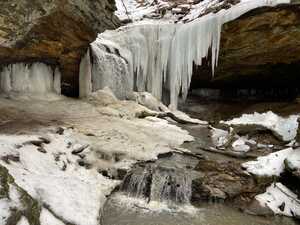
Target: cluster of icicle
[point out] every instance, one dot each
(157, 57)
(36, 78)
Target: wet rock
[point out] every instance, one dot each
(79, 149)
(42, 150)
(255, 208)
(10, 158)
(60, 130)
(223, 181)
(121, 173)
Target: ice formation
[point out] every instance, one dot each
(158, 56)
(30, 78)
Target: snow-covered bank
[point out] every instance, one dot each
(61, 168)
(158, 56)
(51, 175)
(277, 197)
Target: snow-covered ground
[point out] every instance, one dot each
(43, 160)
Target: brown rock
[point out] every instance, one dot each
(262, 45)
(55, 32)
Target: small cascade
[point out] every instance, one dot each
(168, 180)
(138, 183)
(161, 184)
(171, 186)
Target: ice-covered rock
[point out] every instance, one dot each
(240, 145)
(219, 137)
(283, 128)
(148, 100)
(270, 165)
(280, 200)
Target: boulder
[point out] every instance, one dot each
(55, 32)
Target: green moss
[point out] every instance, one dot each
(31, 208)
(5, 180)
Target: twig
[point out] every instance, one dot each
(127, 13)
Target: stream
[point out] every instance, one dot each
(162, 192)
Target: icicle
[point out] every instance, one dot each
(85, 76)
(158, 57)
(23, 78)
(57, 81)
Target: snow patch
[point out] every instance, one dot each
(280, 200)
(219, 137)
(283, 128)
(24, 221)
(240, 145)
(270, 165)
(293, 160)
(4, 211)
(47, 218)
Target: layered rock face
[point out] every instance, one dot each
(54, 32)
(259, 49)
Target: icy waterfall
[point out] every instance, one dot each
(157, 56)
(36, 78)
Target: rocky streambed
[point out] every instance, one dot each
(124, 162)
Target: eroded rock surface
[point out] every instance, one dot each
(261, 45)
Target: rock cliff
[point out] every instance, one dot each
(259, 49)
(56, 32)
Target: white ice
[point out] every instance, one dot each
(36, 78)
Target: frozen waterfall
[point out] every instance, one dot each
(36, 78)
(157, 56)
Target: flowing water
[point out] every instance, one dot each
(159, 193)
(119, 211)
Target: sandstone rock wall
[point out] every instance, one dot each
(261, 48)
(53, 31)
